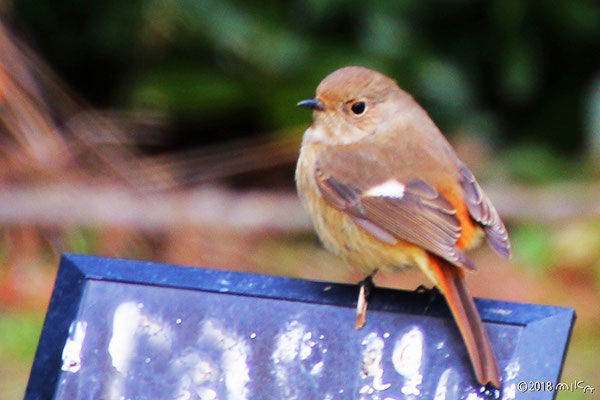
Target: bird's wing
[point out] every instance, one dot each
(482, 211)
(389, 206)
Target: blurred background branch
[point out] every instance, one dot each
(247, 210)
(167, 131)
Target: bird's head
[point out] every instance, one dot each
(351, 104)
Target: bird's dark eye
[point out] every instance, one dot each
(358, 107)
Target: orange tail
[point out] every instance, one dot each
(451, 282)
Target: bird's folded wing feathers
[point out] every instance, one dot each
(388, 207)
(482, 211)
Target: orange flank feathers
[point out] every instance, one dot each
(471, 233)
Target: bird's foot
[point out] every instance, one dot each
(490, 391)
(366, 287)
(422, 289)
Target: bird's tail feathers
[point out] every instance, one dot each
(451, 282)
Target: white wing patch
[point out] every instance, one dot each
(390, 188)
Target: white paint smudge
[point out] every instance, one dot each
(371, 367)
(289, 343)
(511, 371)
(126, 320)
(234, 359)
(317, 368)
(407, 359)
(372, 355)
(297, 359)
(197, 374)
(509, 392)
(447, 388)
(500, 311)
(129, 323)
(306, 346)
(71, 354)
(206, 394)
(219, 358)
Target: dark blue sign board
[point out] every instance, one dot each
(118, 329)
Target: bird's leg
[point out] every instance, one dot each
(366, 286)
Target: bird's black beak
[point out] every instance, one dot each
(313, 104)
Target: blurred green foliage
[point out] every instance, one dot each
(19, 334)
(533, 246)
(22, 346)
(535, 163)
(511, 71)
(81, 240)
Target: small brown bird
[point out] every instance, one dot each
(385, 191)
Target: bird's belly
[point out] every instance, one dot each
(359, 248)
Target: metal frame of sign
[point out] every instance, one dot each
(541, 348)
